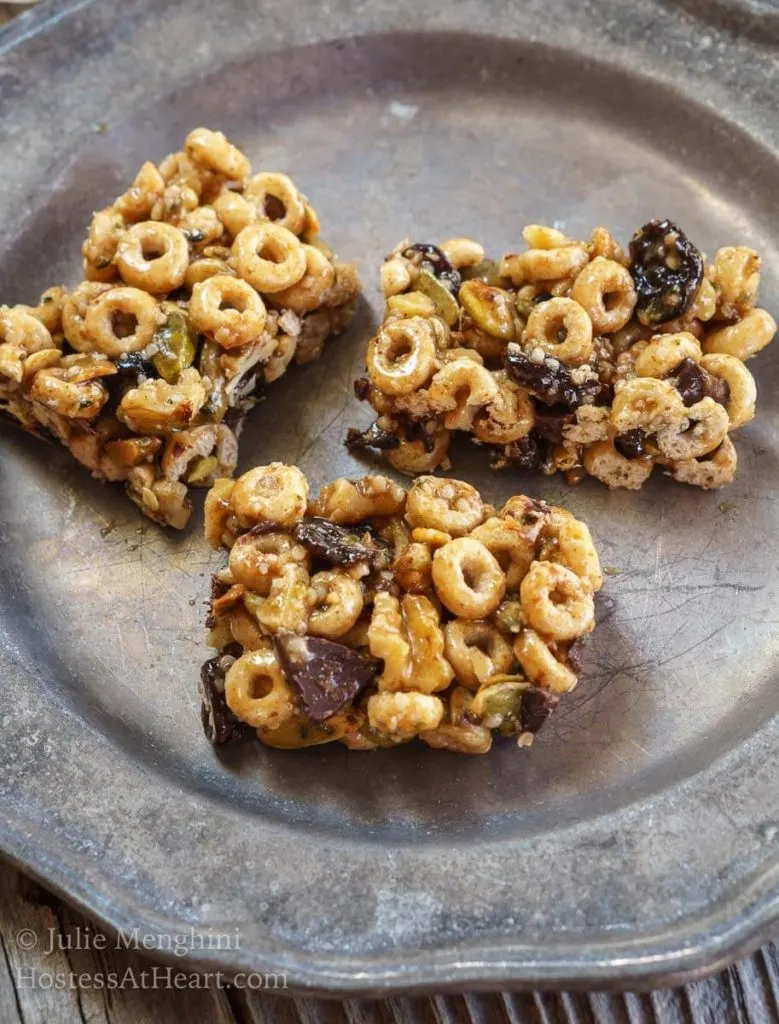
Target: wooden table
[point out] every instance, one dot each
(747, 993)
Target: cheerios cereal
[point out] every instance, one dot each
(202, 284)
(570, 356)
(372, 615)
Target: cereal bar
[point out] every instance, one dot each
(202, 284)
(371, 615)
(569, 356)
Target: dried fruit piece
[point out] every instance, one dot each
(530, 452)
(667, 270)
(219, 723)
(326, 539)
(373, 437)
(631, 444)
(325, 675)
(537, 706)
(552, 382)
(431, 258)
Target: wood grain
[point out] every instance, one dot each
(746, 993)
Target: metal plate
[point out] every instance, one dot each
(638, 838)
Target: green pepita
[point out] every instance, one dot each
(443, 300)
(176, 343)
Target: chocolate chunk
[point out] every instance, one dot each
(326, 676)
(335, 544)
(631, 444)
(573, 655)
(373, 437)
(694, 383)
(551, 381)
(667, 270)
(219, 723)
(537, 705)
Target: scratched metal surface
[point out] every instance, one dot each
(638, 838)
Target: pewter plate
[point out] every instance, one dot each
(637, 840)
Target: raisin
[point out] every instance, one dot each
(434, 260)
(549, 421)
(325, 675)
(631, 444)
(529, 452)
(667, 271)
(694, 383)
(219, 723)
(362, 389)
(373, 437)
(537, 706)
(337, 545)
(550, 381)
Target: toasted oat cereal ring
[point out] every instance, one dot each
(459, 390)
(121, 320)
(708, 426)
(508, 417)
(395, 276)
(269, 257)
(556, 602)
(712, 471)
(562, 328)
(512, 544)
(275, 198)
(452, 506)
(23, 331)
(205, 267)
(72, 399)
(228, 310)
(310, 291)
(255, 561)
(647, 403)
(468, 579)
(153, 256)
(741, 384)
(402, 356)
(577, 550)
(540, 665)
(560, 262)
(275, 493)
(605, 289)
(257, 691)
(417, 456)
(404, 714)
(664, 353)
(212, 151)
(743, 339)
(476, 650)
(234, 212)
(336, 603)
(605, 463)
